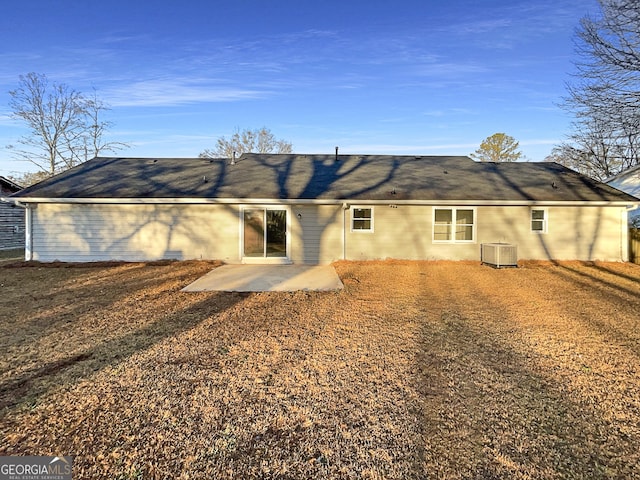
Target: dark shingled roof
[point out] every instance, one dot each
(8, 186)
(323, 177)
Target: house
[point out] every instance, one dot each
(11, 218)
(315, 209)
(629, 182)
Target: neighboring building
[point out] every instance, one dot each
(321, 208)
(11, 218)
(629, 182)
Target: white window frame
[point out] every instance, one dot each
(353, 219)
(265, 260)
(454, 211)
(545, 220)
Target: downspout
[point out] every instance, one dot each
(345, 207)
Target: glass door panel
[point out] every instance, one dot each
(254, 233)
(276, 245)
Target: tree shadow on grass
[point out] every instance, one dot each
(603, 278)
(48, 298)
(27, 387)
(491, 411)
(589, 278)
(611, 271)
(491, 416)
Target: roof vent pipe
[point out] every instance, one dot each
(337, 154)
(233, 158)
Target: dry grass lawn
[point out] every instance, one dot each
(415, 370)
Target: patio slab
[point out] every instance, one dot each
(267, 278)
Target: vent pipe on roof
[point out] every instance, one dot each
(233, 158)
(337, 153)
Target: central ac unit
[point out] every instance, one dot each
(499, 254)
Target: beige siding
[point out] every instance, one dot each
(316, 234)
(397, 233)
(145, 232)
(404, 232)
(135, 232)
(576, 233)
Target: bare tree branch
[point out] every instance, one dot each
(248, 141)
(65, 127)
(605, 98)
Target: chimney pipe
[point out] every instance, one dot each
(233, 158)
(337, 154)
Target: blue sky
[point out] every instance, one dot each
(389, 77)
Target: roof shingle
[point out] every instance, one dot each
(324, 177)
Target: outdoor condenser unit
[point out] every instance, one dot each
(499, 254)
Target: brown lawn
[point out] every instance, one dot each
(416, 370)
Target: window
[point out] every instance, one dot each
(453, 224)
(538, 220)
(361, 219)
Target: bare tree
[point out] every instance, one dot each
(591, 150)
(605, 98)
(92, 143)
(27, 179)
(576, 159)
(499, 147)
(65, 127)
(248, 141)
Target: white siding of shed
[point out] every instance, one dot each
(629, 182)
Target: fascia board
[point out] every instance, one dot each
(302, 201)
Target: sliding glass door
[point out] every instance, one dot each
(264, 233)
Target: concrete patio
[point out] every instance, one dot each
(267, 278)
